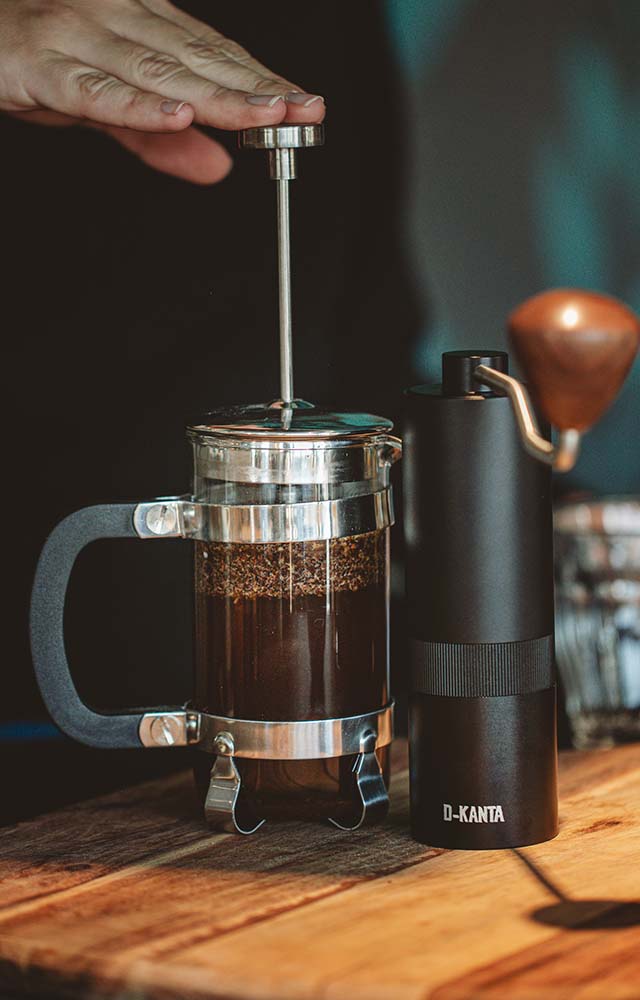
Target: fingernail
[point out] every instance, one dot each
(172, 107)
(266, 100)
(306, 100)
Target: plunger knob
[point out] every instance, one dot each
(281, 143)
(575, 349)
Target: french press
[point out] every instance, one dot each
(289, 513)
(478, 528)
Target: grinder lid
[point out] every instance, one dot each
(458, 368)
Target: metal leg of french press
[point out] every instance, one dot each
(370, 790)
(223, 808)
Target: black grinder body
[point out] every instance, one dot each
(478, 530)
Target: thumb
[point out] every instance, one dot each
(188, 154)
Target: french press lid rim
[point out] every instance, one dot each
(300, 421)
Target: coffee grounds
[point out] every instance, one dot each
(289, 569)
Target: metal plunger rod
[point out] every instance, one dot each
(281, 142)
(284, 283)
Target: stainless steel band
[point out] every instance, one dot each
(308, 740)
(182, 517)
(226, 808)
(249, 738)
(294, 461)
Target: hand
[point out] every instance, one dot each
(143, 71)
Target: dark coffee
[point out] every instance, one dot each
(292, 631)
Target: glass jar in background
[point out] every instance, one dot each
(597, 560)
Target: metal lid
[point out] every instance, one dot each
(277, 422)
(294, 444)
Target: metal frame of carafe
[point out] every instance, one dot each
(366, 458)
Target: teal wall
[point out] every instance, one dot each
(524, 144)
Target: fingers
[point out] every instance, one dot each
(159, 26)
(150, 70)
(189, 155)
(307, 108)
(75, 88)
(202, 48)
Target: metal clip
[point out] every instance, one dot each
(171, 728)
(166, 517)
(370, 789)
(222, 809)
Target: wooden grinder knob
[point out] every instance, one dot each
(575, 349)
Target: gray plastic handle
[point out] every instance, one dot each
(69, 712)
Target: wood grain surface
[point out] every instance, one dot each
(128, 896)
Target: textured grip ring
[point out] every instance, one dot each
(482, 670)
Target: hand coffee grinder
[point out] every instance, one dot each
(289, 513)
(477, 495)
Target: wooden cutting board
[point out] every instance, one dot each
(129, 896)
